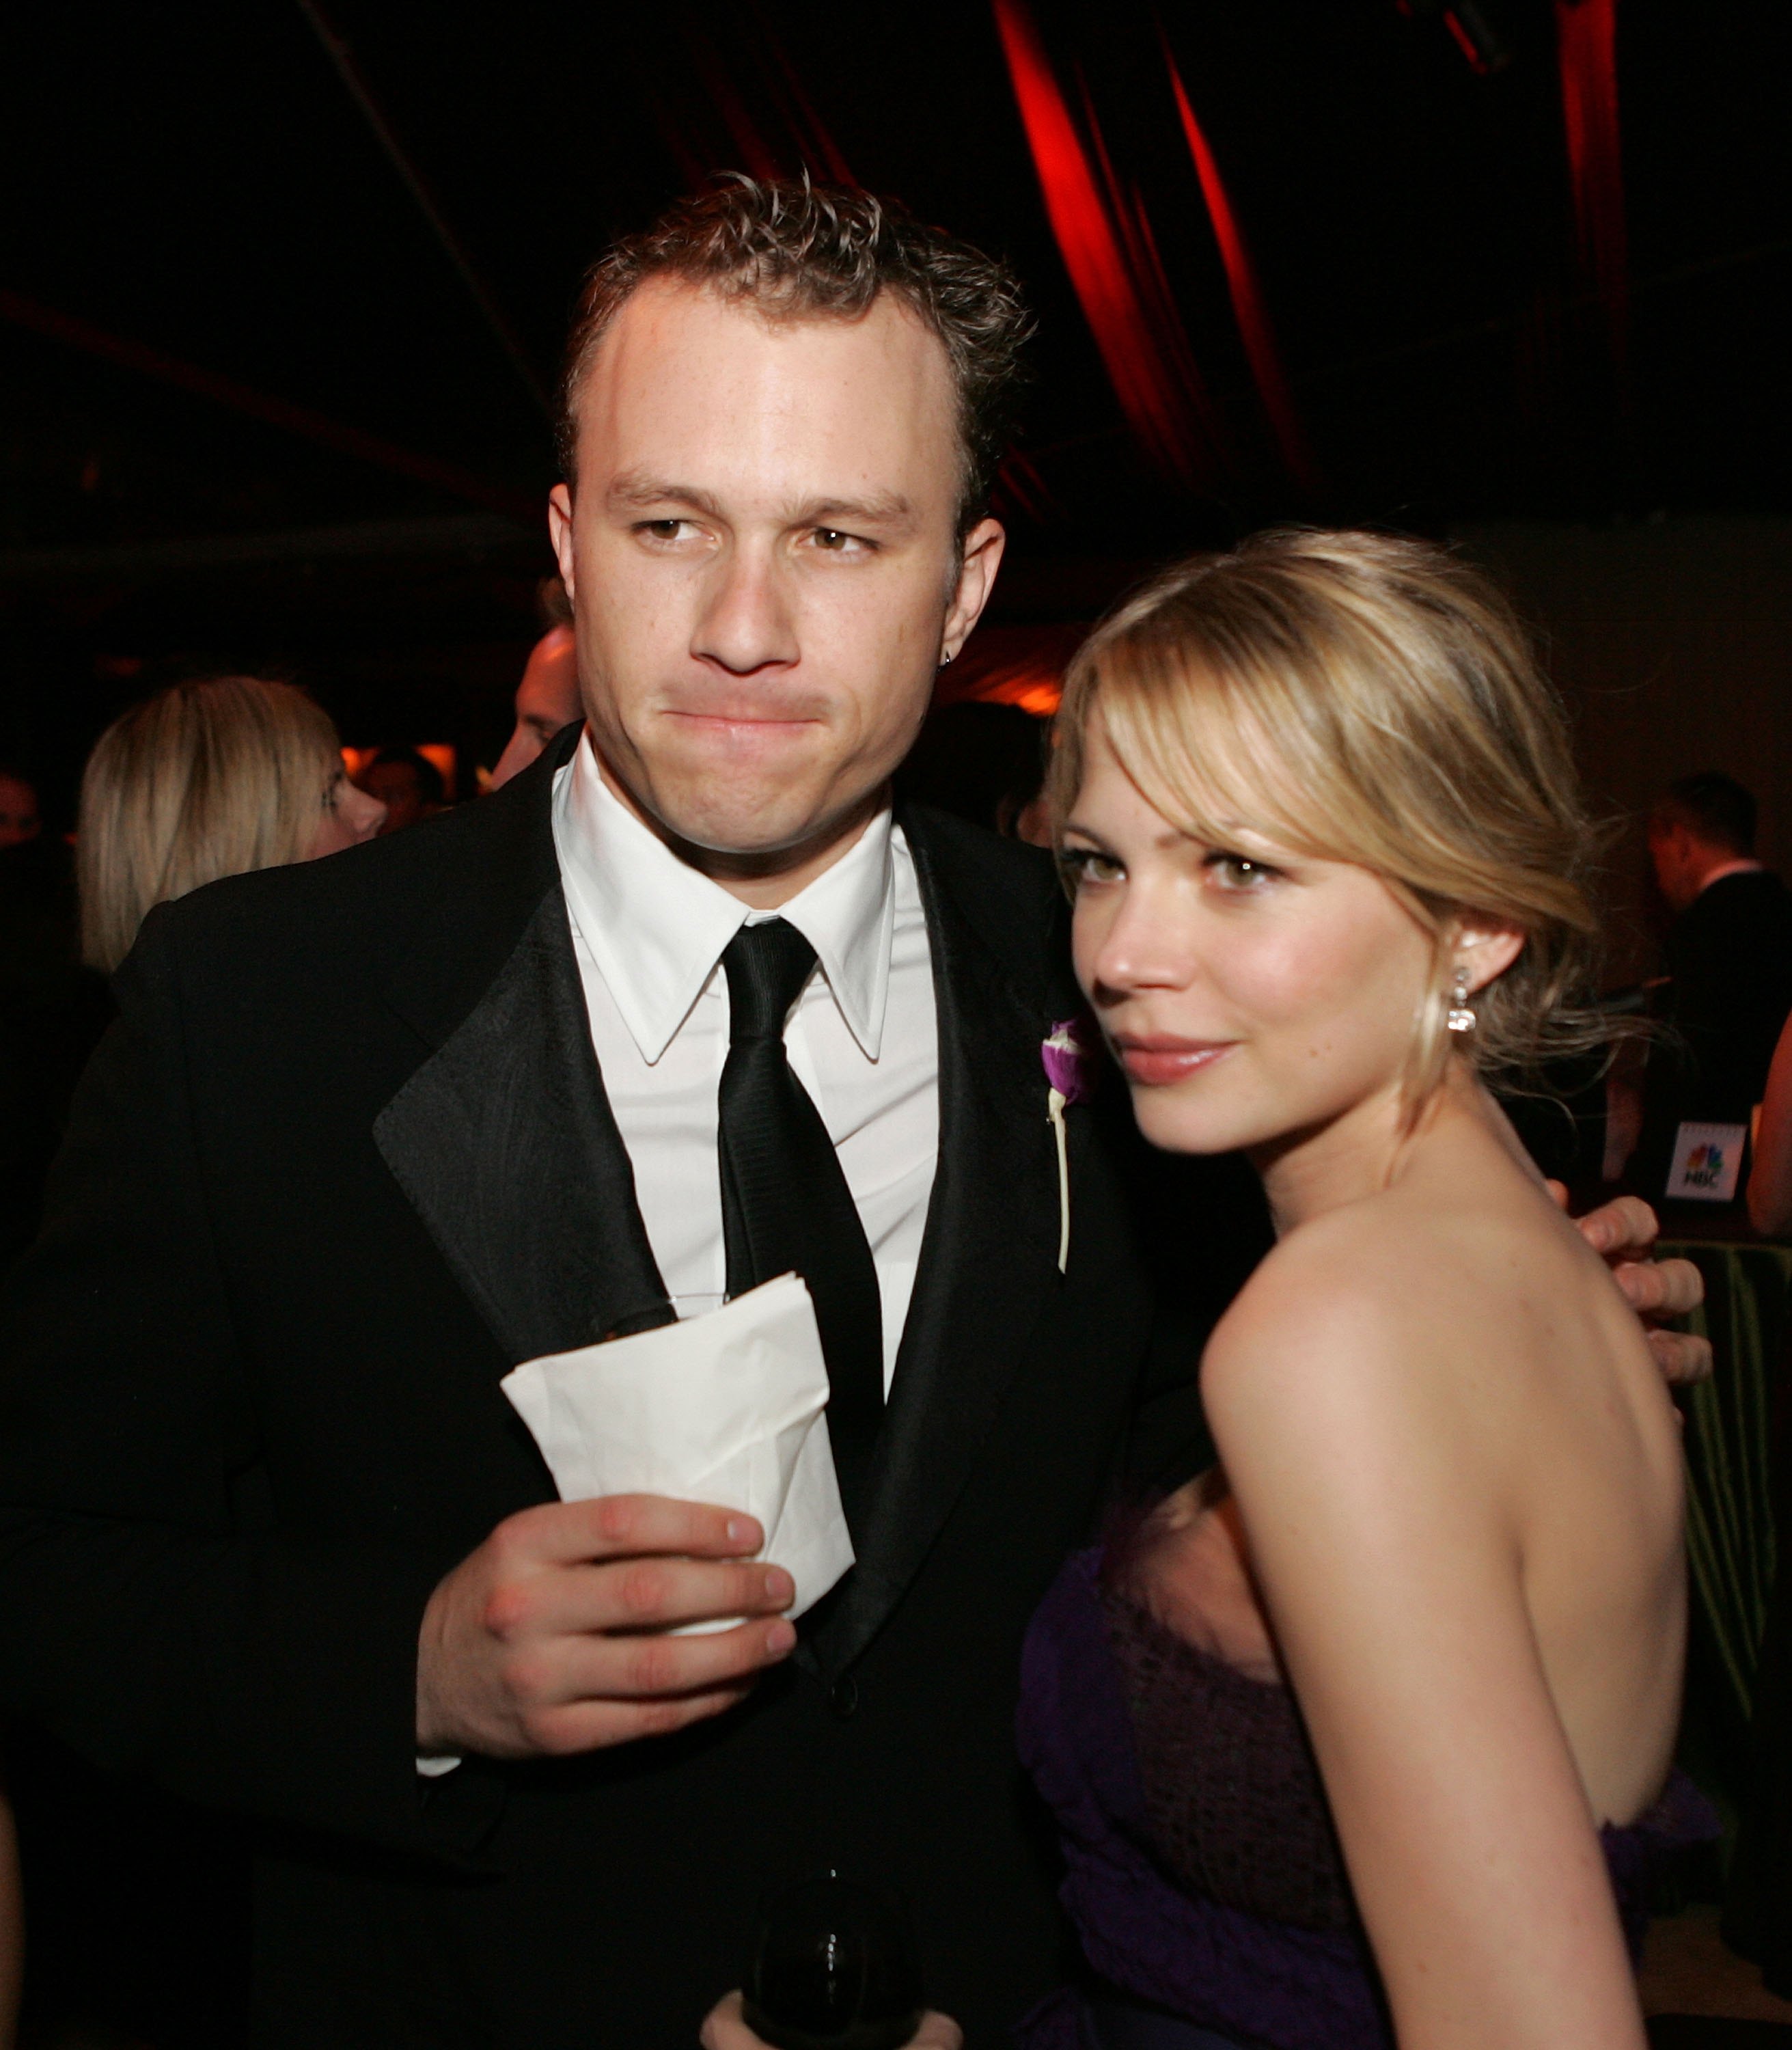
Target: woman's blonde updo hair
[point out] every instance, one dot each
(1363, 698)
(203, 780)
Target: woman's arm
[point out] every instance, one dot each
(1392, 1578)
(1770, 1180)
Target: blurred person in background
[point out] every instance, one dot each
(1758, 1904)
(1769, 1182)
(25, 1019)
(138, 1903)
(21, 815)
(209, 778)
(983, 763)
(406, 785)
(1729, 966)
(52, 1010)
(547, 698)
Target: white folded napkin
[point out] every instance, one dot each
(725, 1408)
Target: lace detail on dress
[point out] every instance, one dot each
(1175, 1940)
(1236, 1805)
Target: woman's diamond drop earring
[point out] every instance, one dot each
(1460, 1018)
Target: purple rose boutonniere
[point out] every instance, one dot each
(1069, 1063)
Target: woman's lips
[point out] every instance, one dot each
(1155, 1061)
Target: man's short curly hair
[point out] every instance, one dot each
(802, 251)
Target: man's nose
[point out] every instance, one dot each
(747, 622)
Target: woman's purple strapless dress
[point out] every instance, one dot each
(1204, 1876)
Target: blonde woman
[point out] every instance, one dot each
(1359, 1737)
(204, 780)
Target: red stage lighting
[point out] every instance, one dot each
(1472, 29)
(1587, 46)
(1106, 249)
(1247, 300)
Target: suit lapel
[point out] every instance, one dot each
(988, 1267)
(503, 1140)
(505, 1144)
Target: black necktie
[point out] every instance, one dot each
(785, 1205)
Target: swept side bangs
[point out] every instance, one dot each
(1362, 699)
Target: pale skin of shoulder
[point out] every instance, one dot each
(1444, 1436)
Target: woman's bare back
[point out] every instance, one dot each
(1525, 1366)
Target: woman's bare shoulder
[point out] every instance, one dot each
(1348, 1273)
(1362, 1311)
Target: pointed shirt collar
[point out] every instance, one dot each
(655, 927)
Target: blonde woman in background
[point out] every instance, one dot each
(1391, 1692)
(204, 780)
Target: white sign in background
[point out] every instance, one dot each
(1707, 1158)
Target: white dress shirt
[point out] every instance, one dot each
(650, 932)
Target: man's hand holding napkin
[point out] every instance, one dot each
(699, 1502)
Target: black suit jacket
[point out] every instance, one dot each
(344, 1160)
(1729, 964)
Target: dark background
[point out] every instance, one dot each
(199, 218)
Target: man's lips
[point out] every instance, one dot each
(741, 729)
(746, 708)
(1156, 1058)
(731, 715)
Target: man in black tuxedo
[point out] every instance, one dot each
(372, 1130)
(1728, 960)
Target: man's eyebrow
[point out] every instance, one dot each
(635, 491)
(879, 508)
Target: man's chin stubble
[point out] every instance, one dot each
(748, 841)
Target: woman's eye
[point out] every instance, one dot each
(1084, 865)
(1238, 872)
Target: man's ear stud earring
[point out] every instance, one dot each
(945, 658)
(1460, 1018)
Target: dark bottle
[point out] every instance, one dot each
(833, 1968)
